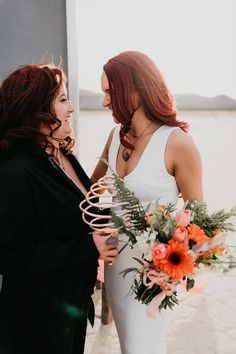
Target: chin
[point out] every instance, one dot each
(64, 135)
(68, 130)
(115, 120)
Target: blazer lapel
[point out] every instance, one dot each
(67, 179)
(80, 171)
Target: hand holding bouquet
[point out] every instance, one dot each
(175, 245)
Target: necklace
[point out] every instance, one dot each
(59, 161)
(126, 153)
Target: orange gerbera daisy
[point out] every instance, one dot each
(178, 262)
(196, 234)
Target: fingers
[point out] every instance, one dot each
(107, 244)
(110, 256)
(112, 240)
(106, 232)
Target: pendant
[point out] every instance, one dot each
(126, 155)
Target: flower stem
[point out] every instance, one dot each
(152, 292)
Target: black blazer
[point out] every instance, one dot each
(47, 254)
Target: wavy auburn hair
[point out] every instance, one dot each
(26, 98)
(131, 73)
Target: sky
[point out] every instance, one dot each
(193, 42)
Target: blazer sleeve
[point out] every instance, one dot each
(18, 249)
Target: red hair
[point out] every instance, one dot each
(26, 97)
(133, 72)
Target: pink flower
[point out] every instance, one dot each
(149, 217)
(159, 251)
(180, 234)
(183, 217)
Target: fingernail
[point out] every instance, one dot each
(111, 240)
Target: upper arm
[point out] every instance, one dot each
(16, 221)
(26, 245)
(101, 167)
(187, 165)
(16, 206)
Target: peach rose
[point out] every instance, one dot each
(180, 234)
(183, 217)
(196, 234)
(159, 250)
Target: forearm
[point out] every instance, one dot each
(46, 255)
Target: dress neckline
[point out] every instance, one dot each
(141, 156)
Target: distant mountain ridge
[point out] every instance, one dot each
(188, 102)
(185, 102)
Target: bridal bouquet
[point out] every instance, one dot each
(175, 245)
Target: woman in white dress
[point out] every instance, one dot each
(151, 150)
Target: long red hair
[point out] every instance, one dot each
(133, 72)
(26, 97)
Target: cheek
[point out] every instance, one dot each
(61, 113)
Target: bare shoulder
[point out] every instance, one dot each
(179, 137)
(111, 136)
(184, 162)
(181, 141)
(101, 168)
(108, 142)
(180, 150)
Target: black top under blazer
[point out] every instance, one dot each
(48, 260)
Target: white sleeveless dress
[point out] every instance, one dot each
(139, 334)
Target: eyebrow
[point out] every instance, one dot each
(62, 94)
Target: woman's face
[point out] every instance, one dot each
(63, 109)
(107, 96)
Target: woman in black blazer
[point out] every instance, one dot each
(48, 257)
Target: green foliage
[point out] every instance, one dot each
(190, 284)
(145, 295)
(120, 224)
(169, 301)
(210, 223)
(163, 224)
(133, 219)
(134, 211)
(128, 270)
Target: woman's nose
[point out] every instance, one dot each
(71, 107)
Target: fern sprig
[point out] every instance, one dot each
(210, 222)
(134, 212)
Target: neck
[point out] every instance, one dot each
(140, 121)
(126, 153)
(58, 157)
(53, 148)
